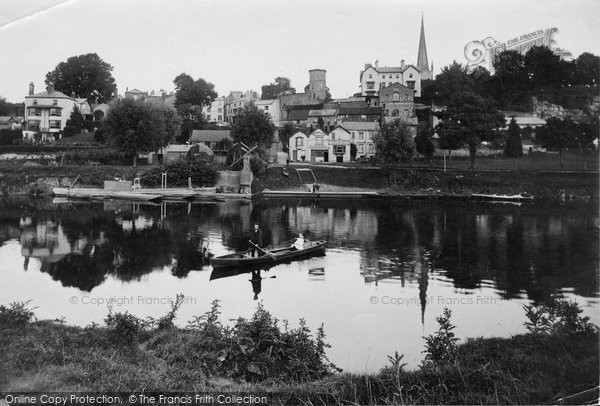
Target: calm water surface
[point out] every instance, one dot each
(389, 270)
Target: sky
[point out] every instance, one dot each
(244, 44)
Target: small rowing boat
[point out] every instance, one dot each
(272, 256)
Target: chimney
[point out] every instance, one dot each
(50, 87)
(72, 95)
(377, 63)
(402, 64)
(367, 65)
(31, 87)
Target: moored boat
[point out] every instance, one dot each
(271, 256)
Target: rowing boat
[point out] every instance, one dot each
(274, 256)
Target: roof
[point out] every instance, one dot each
(389, 69)
(49, 95)
(359, 110)
(360, 125)
(264, 102)
(176, 148)
(525, 121)
(322, 113)
(394, 85)
(318, 131)
(210, 135)
(8, 119)
(135, 91)
(298, 114)
(348, 99)
(81, 100)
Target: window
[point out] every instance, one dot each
(55, 124)
(390, 76)
(361, 136)
(33, 124)
(405, 97)
(353, 135)
(35, 102)
(266, 108)
(220, 110)
(299, 142)
(34, 112)
(219, 118)
(208, 109)
(370, 76)
(55, 112)
(371, 148)
(208, 117)
(360, 149)
(383, 75)
(397, 75)
(339, 149)
(55, 102)
(395, 113)
(410, 76)
(370, 85)
(410, 84)
(386, 113)
(381, 85)
(396, 96)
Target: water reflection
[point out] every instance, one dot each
(524, 251)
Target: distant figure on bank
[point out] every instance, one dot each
(316, 187)
(299, 243)
(256, 239)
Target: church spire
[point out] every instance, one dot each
(422, 63)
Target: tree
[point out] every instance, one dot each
(424, 142)
(557, 135)
(253, 126)
(477, 119)
(285, 134)
(394, 144)
(10, 109)
(281, 86)
(450, 136)
(513, 147)
(193, 92)
(75, 123)
(190, 96)
(86, 76)
(587, 70)
(543, 67)
(453, 79)
(134, 126)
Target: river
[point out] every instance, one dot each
(389, 269)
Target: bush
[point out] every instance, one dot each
(17, 314)
(557, 317)
(126, 327)
(8, 137)
(257, 164)
(71, 130)
(178, 173)
(441, 347)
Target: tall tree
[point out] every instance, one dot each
(190, 96)
(450, 135)
(543, 67)
(423, 141)
(193, 92)
(477, 119)
(514, 147)
(453, 79)
(135, 126)
(394, 144)
(281, 86)
(587, 70)
(253, 126)
(86, 76)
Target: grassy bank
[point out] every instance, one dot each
(546, 186)
(260, 356)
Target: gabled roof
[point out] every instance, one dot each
(210, 135)
(49, 95)
(389, 69)
(322, 113)
(360, 125)
(318, 131)
(135, 91)
(299, 134)
(81, 100)
(341, 128)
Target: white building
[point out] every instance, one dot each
(272, 109)
(215, 113)
(361, 135)
(374, 78)
(46, 113)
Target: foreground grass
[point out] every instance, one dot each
(533, 368)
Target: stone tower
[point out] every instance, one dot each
(422, 62)
(317, 85)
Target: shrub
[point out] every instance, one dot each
(257, 164)
(8, 137)
(16, 314)
(557, 317)
(441, 346)
(71, 130)
(125, 327)
(178, 173)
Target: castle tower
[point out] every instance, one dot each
(422, 62)
(317, 85)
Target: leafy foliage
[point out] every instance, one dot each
(253, 126)
(7, 137)
(193, 92)
(514, 147)
(86, 76)
(394, 144)
(285, 134)
(135, 126)
(441, 346)
(274, 90)
(557, 317)
(178, 173)
(423, 141)
(16, 314)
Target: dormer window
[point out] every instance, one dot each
(34, 102)
(55, 102)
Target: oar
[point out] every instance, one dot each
(266, 252)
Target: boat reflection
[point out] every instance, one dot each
(256, 277)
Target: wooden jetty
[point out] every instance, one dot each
(151, 195)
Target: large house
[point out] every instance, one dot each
(236, 102)
(361, 135)
(215, 113)
(271, 108)
(46, 113)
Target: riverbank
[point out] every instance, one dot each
(289, 366)
(547, 187)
